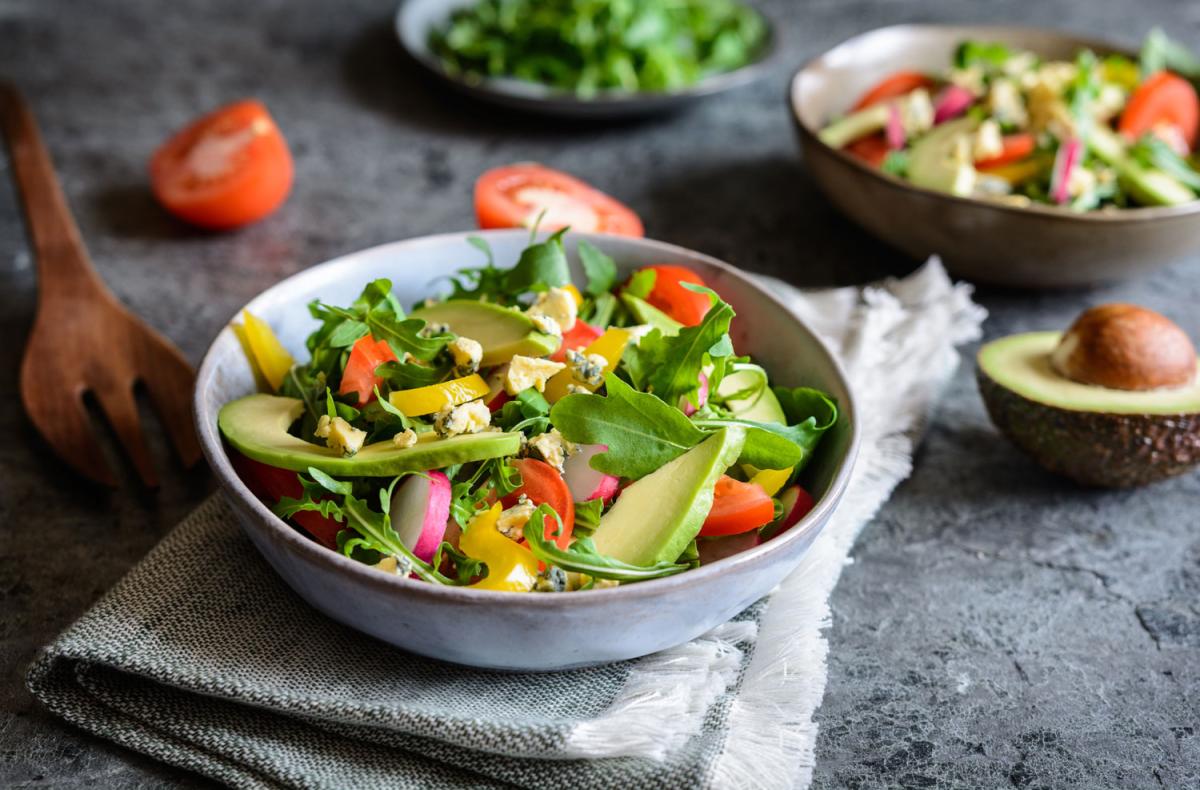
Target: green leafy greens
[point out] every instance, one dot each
(582, 557)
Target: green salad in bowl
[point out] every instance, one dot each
(1002, 123)
(525, 432)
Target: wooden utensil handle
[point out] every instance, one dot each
(62, 259)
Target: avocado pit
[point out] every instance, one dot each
(1114, 401)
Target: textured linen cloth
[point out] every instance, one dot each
(202, 658)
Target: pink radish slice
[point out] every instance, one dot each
(419, 511)
(796, 504)
(1065, 162)
(953, 101)
(896, 138)
(584, 482)
(701, 397)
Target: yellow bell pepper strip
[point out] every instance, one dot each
(435, 397)
(610, 345)
(1017, 173)
(268, 354)
(511, 566)
(771, 480)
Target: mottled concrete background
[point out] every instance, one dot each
(997, 626)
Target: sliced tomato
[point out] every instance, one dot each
(1016, 147)
(226, 169)
(872, 150)
(1163, 99)
(542, 483)
(359, 376)
(576, 338)
(901, 83)
(737, 507)
(517, 195)
(686, 307)
(272, 484)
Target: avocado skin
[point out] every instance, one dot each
(1095, 448)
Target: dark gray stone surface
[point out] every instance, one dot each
(998, 627)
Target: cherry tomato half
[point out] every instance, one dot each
(899, 84)
(542, 483)
(226, 169)
(686, 307)
(516, 195)
(359, 376)
(271, 484)
(1016, 147)
(575, 338)
(1163, 99)
(737, 507)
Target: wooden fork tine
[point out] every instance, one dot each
(67, 426)
(120, 408)
(169, 385)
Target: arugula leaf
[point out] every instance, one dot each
(409, 375)
(600, 312)
(896, 163)
(1154, 152)
(587, 516)
(641, 431)
(989, 54)
(772, 446)
(465, 568)
(582, 557)
(600, 269)
(528, 411)
(1160, 53)
(808, 410)
(540, 267)
(675, 361)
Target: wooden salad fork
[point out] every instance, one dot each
(84, 342)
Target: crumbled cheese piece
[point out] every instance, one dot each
(1005, 103)
(1019, 63)
(546, 325)
(512, 521)
(916, 113)
(988, 143)
(1109, 102)
(971, 78)
(395, 564)
(434, 328)
(575, 389)
(340, 435)
(587, 368)
(466, 353)
(1054, 76)
(470, 417)
(526, 372)
(991, 186)
(552, 447)
(1049, 113)
(553, 579)
(405, 439)
(1081, 182)
(557, 304)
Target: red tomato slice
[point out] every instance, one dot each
(226, 169)
(901, 83)
(272, 484)
(686, 307)
(1163, 99)
(872, 150)
(516, 195)
(737, 507)
(576, 338)
(1016, 148)
(542, 483)
(359, 376)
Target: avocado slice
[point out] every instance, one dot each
(646, 313)
(937, 160)
(1094, 435)
(761, 408)
(502, 331)
(1148, 186)
(257, 427)
(656, 517)
(856, 125)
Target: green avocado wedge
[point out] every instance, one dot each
(257, 427)
(761, 407)
(933, 162)
(656, 517)
(502, 331)
(648, 314)
(1094, 435)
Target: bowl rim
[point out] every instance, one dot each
(232, 485)
(533, 93)
(810, 136)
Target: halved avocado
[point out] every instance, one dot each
(257, 427)
(1095, 435)
(502, 331)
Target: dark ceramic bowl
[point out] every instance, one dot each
(1035, 247)
(510, 630)
(415, 19)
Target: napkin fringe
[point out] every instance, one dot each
(676, 686)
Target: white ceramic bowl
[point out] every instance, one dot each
(525, 631)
